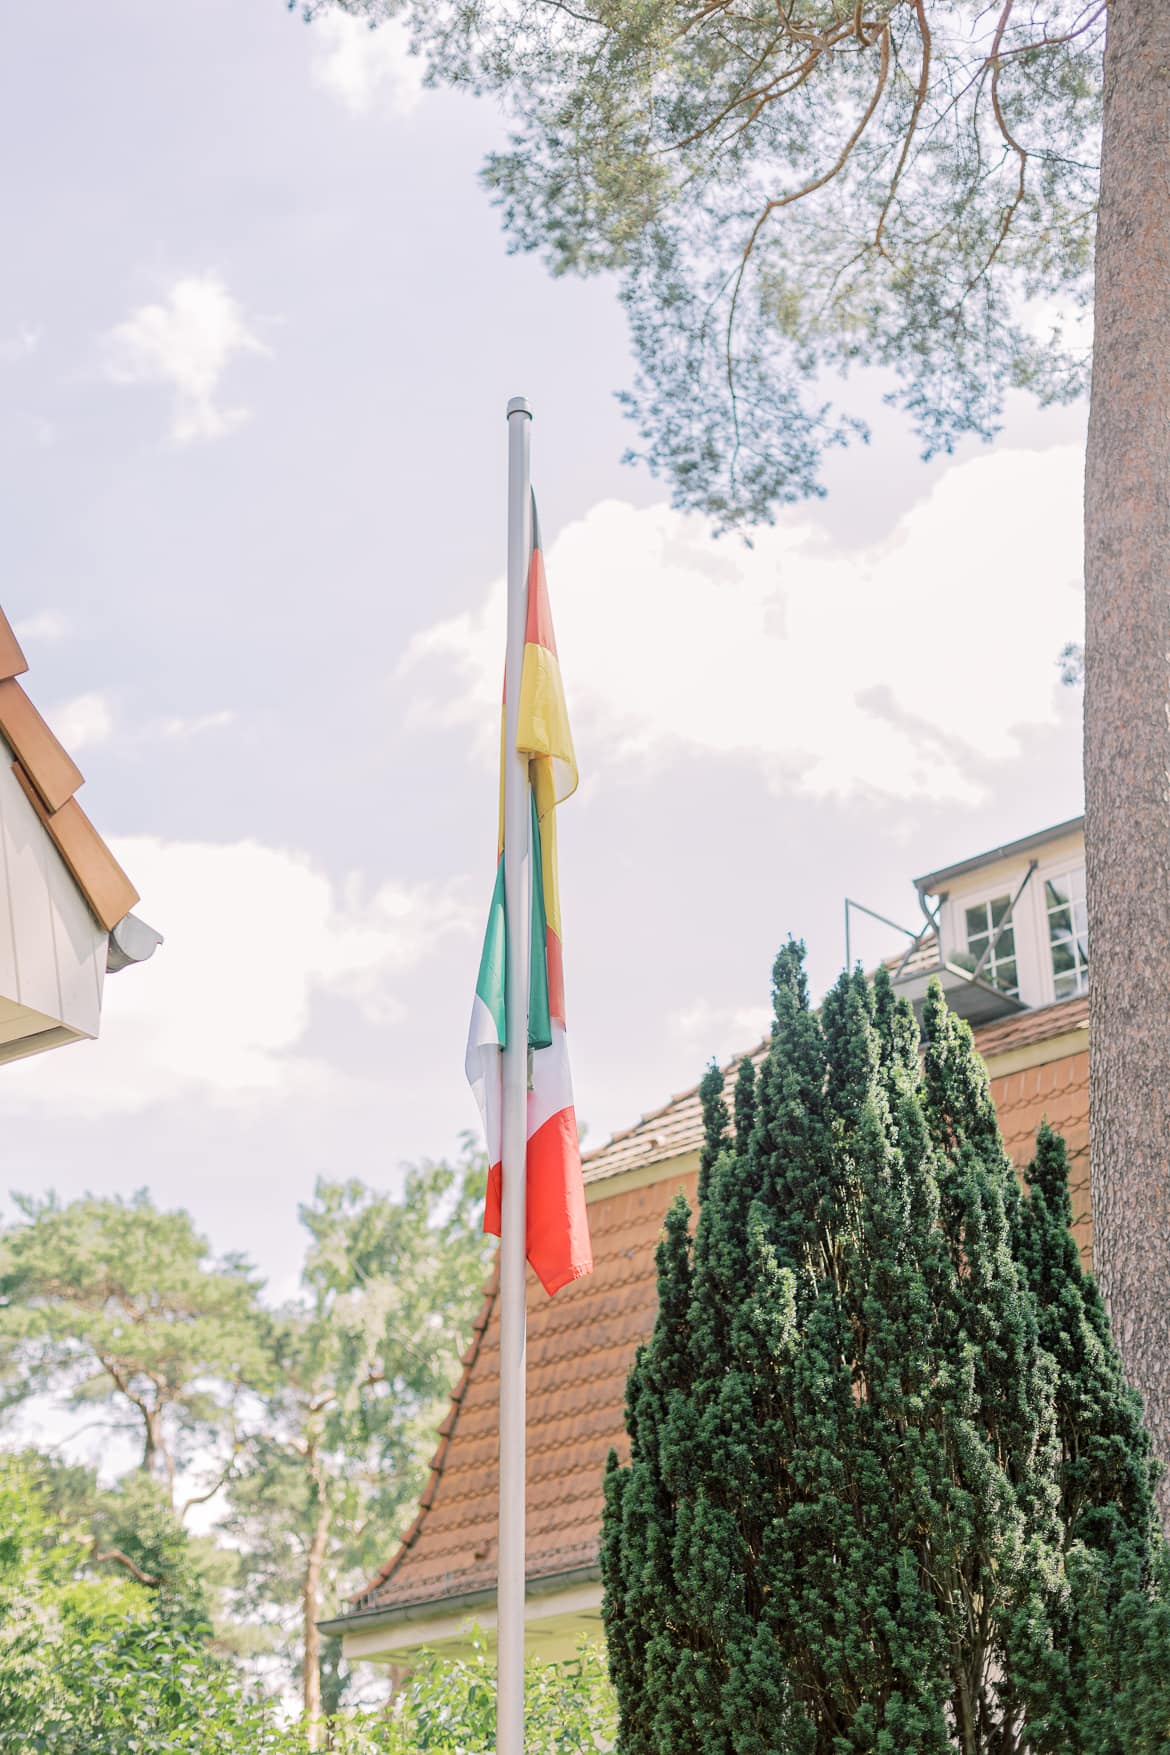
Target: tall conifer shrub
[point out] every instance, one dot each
(888, 1489)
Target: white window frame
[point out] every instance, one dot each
(983, 899)
(1063, 868)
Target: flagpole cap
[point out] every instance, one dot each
(519, 405)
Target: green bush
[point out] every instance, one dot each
(94, 1665)
(448, 1707)
(889, 1492)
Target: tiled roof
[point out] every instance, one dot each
(582, 1342)
(677, 1128)
(669, 1132)
(916, 959)
(1023, 1029)
(50, 779)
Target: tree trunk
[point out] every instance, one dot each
(155, 1460)
(311, 1608)
(1127, 707)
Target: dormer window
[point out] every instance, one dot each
(1068, 932)
(1006, 931)
(991, 943)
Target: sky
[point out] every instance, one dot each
(258, 329)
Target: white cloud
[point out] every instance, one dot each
(252, 933)
(187, 343)
(85, 720)
(47, 624)
(21, 346)
(709, 1028)
(366, 69)
(899, 669)
(199, 723)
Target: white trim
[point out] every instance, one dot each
(554, 1625)
(1030, 917)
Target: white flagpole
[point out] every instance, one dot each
(513, 1325)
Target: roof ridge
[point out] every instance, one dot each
(673, 1103)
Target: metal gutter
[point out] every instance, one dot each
(935, 880)
(423, 1609)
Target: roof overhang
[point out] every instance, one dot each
(400, 1628)
(934, 881)
(24, 1031)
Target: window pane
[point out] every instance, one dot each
(1068, 936)
(976, 922)
(999, 909)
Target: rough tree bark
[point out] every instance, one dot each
(311, 1608)
(155, 1455)
(1127, 707)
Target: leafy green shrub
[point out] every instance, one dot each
(98, 1665)
(448, 1707)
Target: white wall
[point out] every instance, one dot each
(52, 950)
(1003, 877)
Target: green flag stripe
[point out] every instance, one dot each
(491, 982)
(539, 1021)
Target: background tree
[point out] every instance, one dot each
(390, 1290)
(89, 1666)
(788, 190)
(130, 1531)
(105, 1642)
(888, 1489)
(123, 1308)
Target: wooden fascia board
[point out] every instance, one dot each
(46, 762)
(94, 869)
(681, 1164)
(1031, 1054)
(12, 660)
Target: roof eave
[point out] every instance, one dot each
(936, 880)
(456, 1602)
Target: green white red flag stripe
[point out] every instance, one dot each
(558, 1246)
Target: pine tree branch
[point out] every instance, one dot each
(912, 127)
(782, 201)
(101, 1555)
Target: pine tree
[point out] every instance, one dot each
(888, 1491)
(1106, 1689)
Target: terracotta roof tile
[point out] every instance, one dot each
(50, 779)
(95, 871)
(580, 1345)
(45, 762)
(12, 660)
(677, 1128)
(669, 1132)
(916, 959)
(582, 1342)
(1040, 1025)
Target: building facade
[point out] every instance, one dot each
(1006, 934)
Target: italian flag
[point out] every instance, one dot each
(558, 1245)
